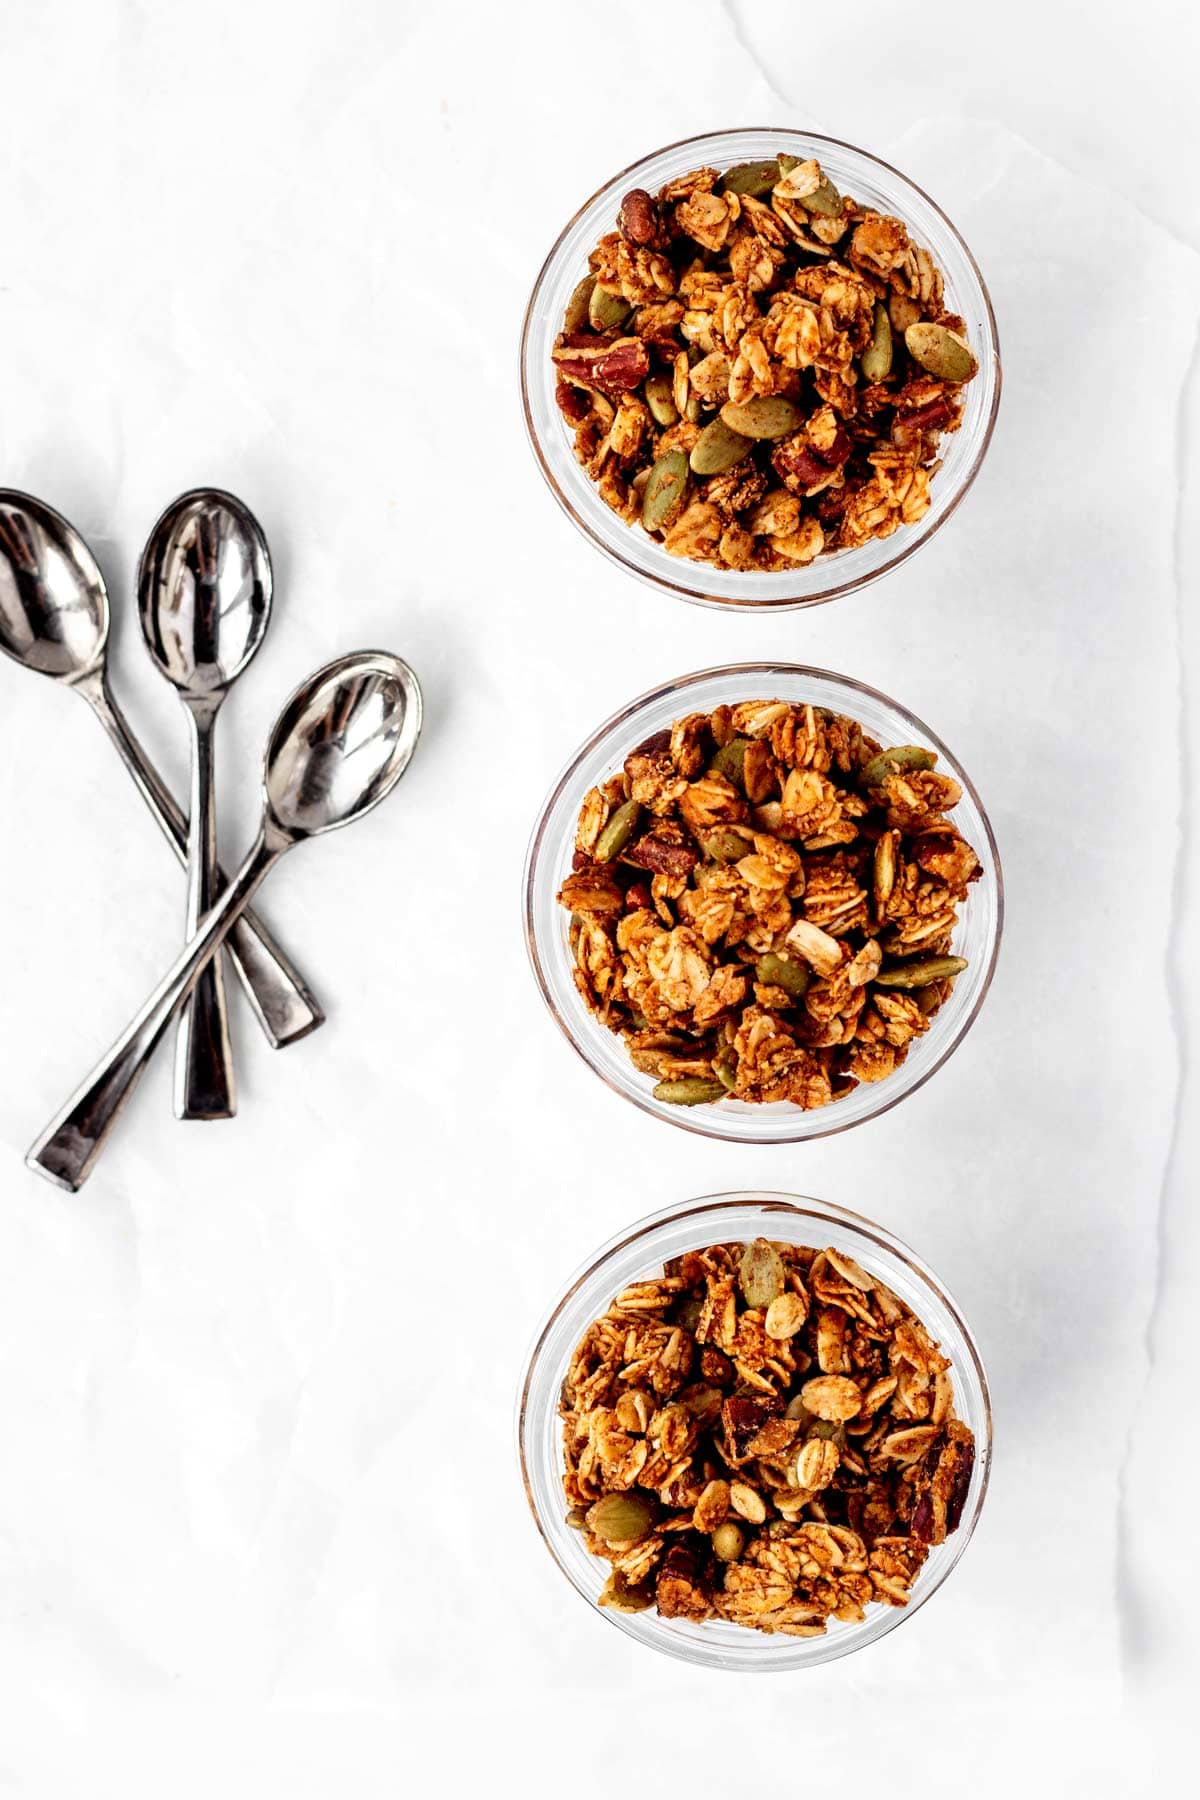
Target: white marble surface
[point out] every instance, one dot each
(260, 1528)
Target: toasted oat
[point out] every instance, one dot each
(778, 1504)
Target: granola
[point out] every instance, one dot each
(759, 371)
(763, 902)
(763, 1434)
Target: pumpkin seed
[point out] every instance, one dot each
(687, 1313)
(729, 760)
(762, 416)
(900, 761)
(824, 199)
(725, 1068)
(919, 973)
(942, 352)
(607, 310)
(617, 832)
(575, 318)
(617, 1594)
(666, 491)
(778, 971)
(877, 357)
(577, 1518)
(690, 1090)
(760, 1273)
(621, 1518)
(726, 844)
(659, 392)
(728, 1541)
(719, 447)
(756, 178)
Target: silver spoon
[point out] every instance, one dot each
(204, 595)
(54, 619)
(338, 748)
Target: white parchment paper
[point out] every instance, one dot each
(260, 1526)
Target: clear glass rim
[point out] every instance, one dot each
(687, 1119)
(769, 1203)
(907, 544)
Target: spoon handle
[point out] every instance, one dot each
(69, 1146)
(204, 1084)
(278, 993)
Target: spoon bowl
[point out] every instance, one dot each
(53, 603)
(204, 590)
(341, 743)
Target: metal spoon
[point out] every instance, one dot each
(338, 748)
(204, 595)
(54, 619)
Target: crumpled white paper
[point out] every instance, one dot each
(260, 1511)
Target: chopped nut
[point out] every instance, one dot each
(640, 222)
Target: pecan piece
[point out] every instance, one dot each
(614, 368)
(743, 1416)
(639, 221)
(956, 1499)
(909, 426)
(804, 468)
(573, 403)
(683, 1588)
(665, 851)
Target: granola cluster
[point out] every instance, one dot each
(766, 1435)
(758, 370)
(763, 901)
